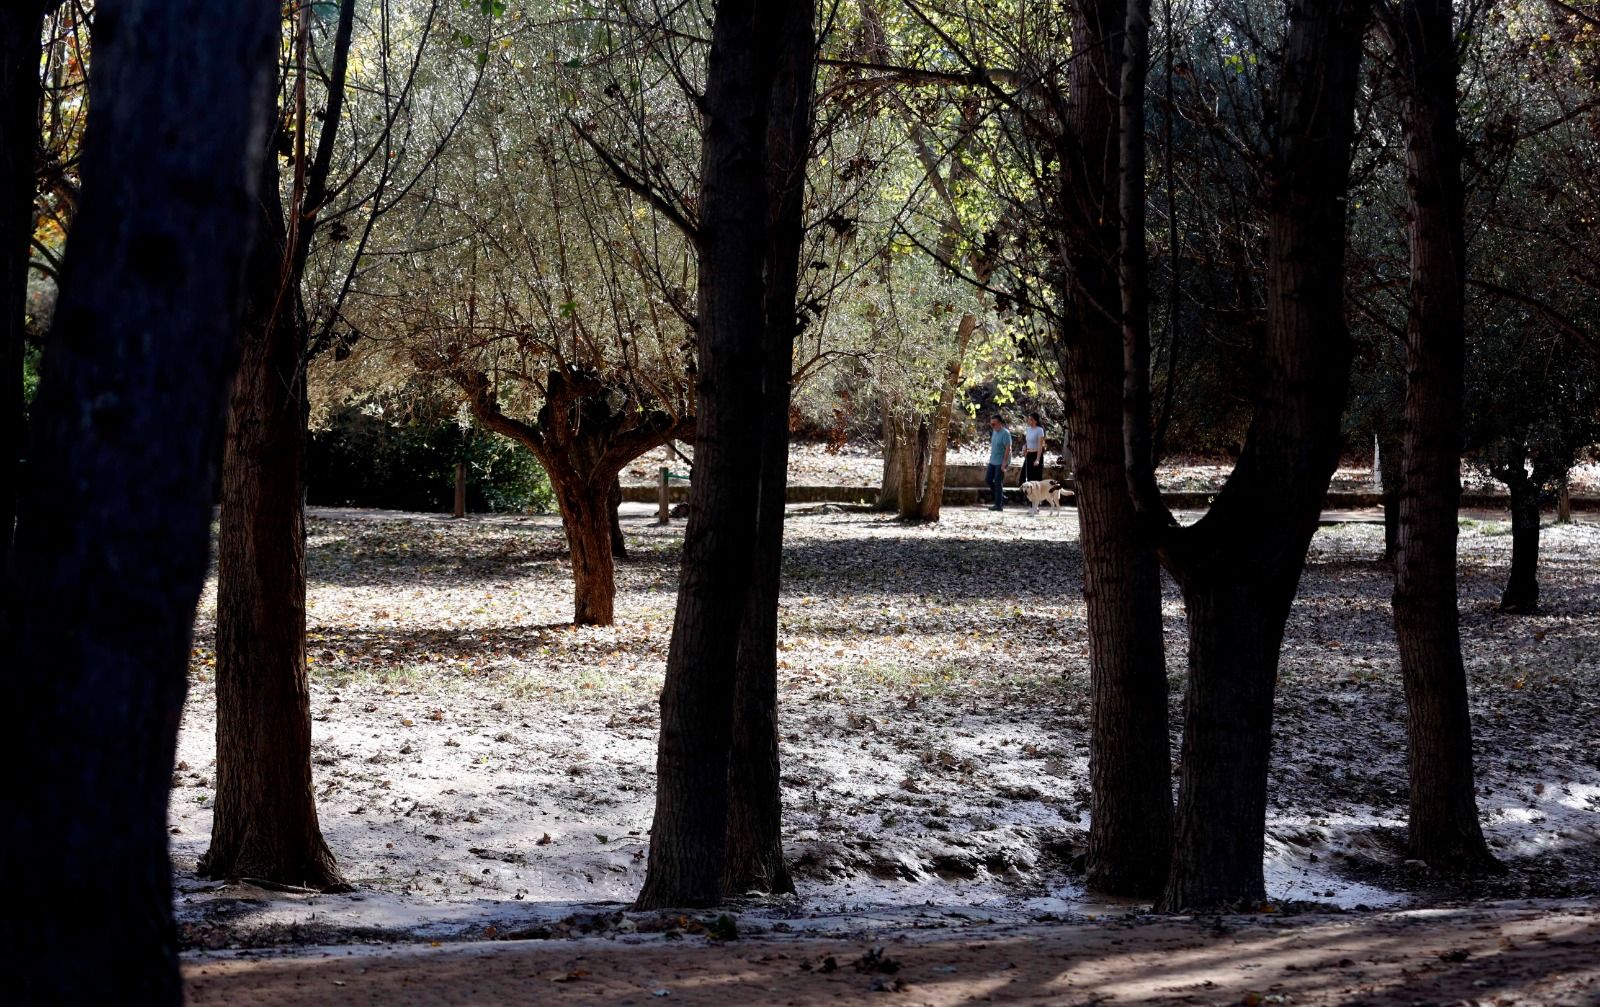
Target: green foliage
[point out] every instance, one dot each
(30, 375)
(362, 459)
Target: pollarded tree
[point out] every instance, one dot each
(551, 301)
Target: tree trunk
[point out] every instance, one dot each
(114, 522)
(755, 794)
(265, 823)
(911, 470)
(896, 455)
(1234, 634)
(755, 800)
(586, 518)
(21, 24)
(1240, 565)
(1390, 478)
(619, 544)
(1443, 828)
(939, 450)
(757, 105)
(1521, 596)
(689, 836)
(1130, 766)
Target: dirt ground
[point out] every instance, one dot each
(485, 769)
(1546, 955)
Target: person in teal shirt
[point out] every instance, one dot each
(999, 460)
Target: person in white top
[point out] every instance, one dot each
(1033, 449)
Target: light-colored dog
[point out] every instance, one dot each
(1038, 491)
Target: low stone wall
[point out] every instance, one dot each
(963, 493)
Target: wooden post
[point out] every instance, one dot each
(664, 508)
(1564, 502)
(461, 490)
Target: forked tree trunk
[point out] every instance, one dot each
(586, 518)
(265, 820)
(21, 23)
(939, 449)
(1521, 595)
(1240, 565)
(757, 104)
(583, 442)
(114, 522)
(1443, 828)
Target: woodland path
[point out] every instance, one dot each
(1532, 953)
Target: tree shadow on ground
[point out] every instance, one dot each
(934, 566)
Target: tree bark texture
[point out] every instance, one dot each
(939, 447)
(21, 24)
(114, 523)
(1130, 766)
(619, 543)
(1443, 826)
(1390, 476)
(586, 517)
(895, 455)
(1239, 566)
(265, 821)
(1521, 595)
(746, 299)
(755, 795)
(689, 836)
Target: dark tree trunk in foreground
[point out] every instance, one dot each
(1239, 566)
(114, 523)
(744, 304)
(1521, 596)
(1443, 827)
(754, 858)
(1130, 824)
(21, 23)
(265, 823)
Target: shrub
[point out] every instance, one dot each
(360, 459)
